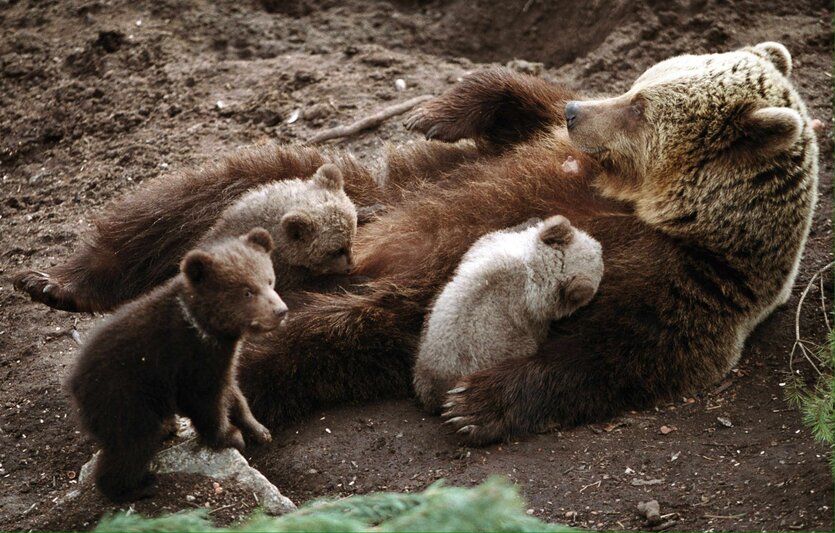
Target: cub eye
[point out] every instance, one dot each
(337, 253)
(248, 292)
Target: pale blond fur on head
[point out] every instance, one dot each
(312, 222)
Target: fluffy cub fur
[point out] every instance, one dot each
(509, 286)
(312, 222)
(173, 351)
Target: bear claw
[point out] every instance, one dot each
(43, 288)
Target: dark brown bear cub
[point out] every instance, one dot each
(173, 351)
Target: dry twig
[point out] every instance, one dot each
(798, 342)
(371, 121)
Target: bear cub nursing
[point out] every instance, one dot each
(174, 351)
(509, 286)
(312, 222)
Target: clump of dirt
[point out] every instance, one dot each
(96, 97)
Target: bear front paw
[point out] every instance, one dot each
(473, 412)
(431, 120)
(42, 288)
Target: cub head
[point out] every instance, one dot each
(704, 120)
(229, 286)
(571, 264)
(320, 234)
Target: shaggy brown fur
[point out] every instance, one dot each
(173, 351)
(312, 223)
(699, 244)
(169, 216)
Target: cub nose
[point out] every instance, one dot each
(572, 109)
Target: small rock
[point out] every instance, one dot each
(191, 458)
(725, 421)
(223, 109)
(525, 67)
(666, 430)
(529, 511)
(651, 511)
(190, 497)
(400, 84)
(316, 111)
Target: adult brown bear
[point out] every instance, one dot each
(699, 182)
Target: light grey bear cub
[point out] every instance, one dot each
(312, 222)
(507, 289)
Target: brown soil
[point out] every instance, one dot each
(97, 96)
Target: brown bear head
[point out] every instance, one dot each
(228, 287)
(695, 124)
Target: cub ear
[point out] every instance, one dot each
(197, 266)
(777, 54)
(298, 226)
(769, 130)
(579, 292)
(556, 232)
(329, 177)
(260, 239)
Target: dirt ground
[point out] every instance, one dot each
(97, 96)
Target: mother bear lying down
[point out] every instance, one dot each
(699, 182)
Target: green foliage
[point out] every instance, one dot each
(495, 505)
(816, 401)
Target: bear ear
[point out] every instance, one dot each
(556, 232)
(329, 177)
(777, 54)
(196, 266)
(579, 292)
(769, 130)
(298, 226)
(260, 239)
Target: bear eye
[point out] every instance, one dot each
(637, 106)
(337, 253)
(248, 292)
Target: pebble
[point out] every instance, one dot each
(725, 421)
(400, 84)
(651, 511)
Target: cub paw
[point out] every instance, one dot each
(42, 288)
(234, 439)
(259, 433)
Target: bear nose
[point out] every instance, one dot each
(280, 311)
(572, 109)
